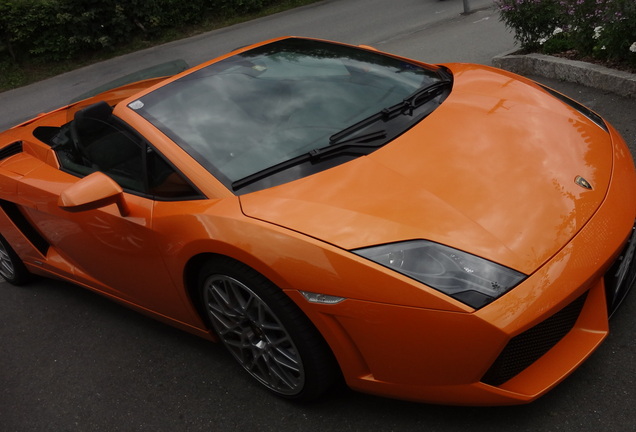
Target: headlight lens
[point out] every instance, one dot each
(465, 277)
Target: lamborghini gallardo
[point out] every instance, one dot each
(330, 213)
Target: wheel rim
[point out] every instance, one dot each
(254, 335)
(6, 264)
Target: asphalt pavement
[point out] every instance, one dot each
(71, 360)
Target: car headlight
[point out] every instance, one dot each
(465, 277)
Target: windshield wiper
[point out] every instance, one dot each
(407, 106)
(423, 95)
(361, 144)
(360, 141)
(342, 144)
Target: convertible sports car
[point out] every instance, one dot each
(443, 233)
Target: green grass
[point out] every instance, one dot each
(14, 75)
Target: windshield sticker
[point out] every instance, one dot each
(136, 105)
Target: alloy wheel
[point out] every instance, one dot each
(254, 334)
(7, 270)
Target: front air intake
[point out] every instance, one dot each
(526, 348)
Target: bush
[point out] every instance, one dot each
(603, 29)
(532, 20)
(58, 30)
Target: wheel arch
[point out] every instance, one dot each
(196, 263)
(190, 277)
(195, 266)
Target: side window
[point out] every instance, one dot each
(164, 182)
(97, 141)
(118, 155)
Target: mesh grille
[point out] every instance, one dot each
(525, 348)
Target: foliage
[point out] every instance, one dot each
(531, 20)
(59, 30)
(603, 29)
(10, 75)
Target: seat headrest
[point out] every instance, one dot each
(97, 111)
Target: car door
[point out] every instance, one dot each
(106, 241)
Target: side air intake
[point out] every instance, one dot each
(10, 150)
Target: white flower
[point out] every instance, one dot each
(603, 47)
(557, 31)
(597, 32)
(633, 47)
(542, 41)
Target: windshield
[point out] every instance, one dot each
(268, 105)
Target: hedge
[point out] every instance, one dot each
(601, 29)
(57, 30)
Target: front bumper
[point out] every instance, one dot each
(551, 322)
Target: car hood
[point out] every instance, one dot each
(491, 171)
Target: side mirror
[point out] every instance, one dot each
(94, 191)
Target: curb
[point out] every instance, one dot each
(587, 74)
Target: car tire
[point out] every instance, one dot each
(12, 268)
(265, 331)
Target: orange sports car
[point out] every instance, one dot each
(441, 233)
